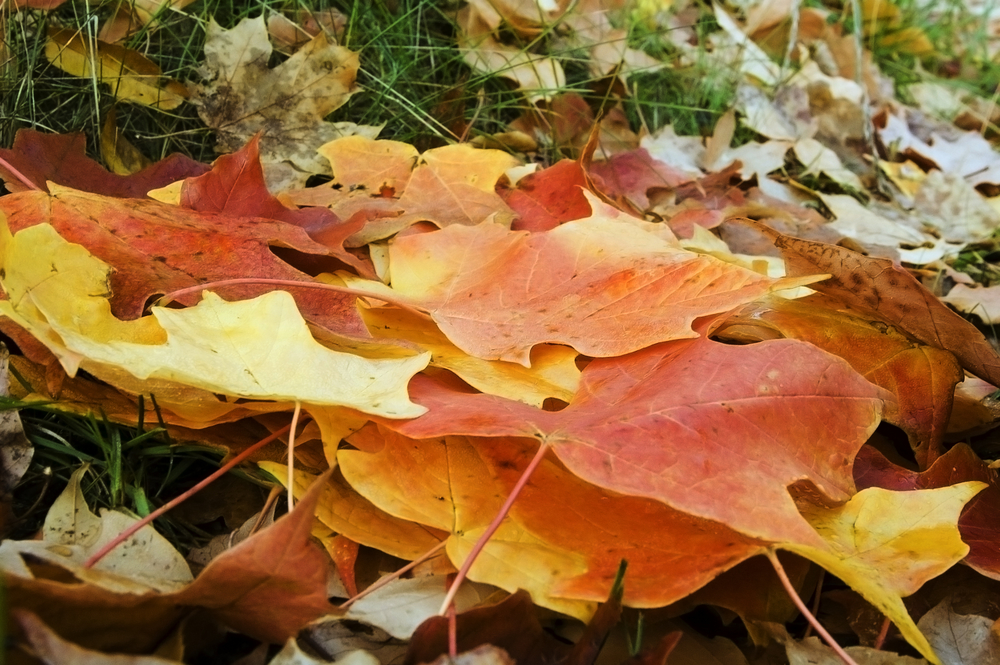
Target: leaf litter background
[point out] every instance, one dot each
(732, 348)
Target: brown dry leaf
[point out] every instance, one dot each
(538, 76)
(132, 76)
(134, 15)
(892, 294)
(243, 96)
(961, 639)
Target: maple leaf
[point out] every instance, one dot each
(609, 286)
(886, 290)
(564, 539)
(245, 348)
(553, 371)
(243, 96)
(396, 186)
(157, 248)
(61, 158)
(235, 187)
(922, 378)
(545, 199)
(885, 559)
(345, 511)
(980, 521)
(650, 424)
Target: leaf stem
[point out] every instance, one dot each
(20, 176)
(289, 283)
(793, 594)
(492, 528)
(176, 501)
(291, 454)
(385, 579)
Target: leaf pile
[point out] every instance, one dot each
(697, 369)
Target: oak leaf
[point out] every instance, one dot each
(243, 96)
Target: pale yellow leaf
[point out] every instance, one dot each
(257, 349)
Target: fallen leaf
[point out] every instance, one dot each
(961, 639)
(980, 521)
(401, 606)
(157, 248)
(53, 650)
(539, 76)
(457, 483)
(345, 511)
(950, 204)
(272, 584)
(632, 415)
(545, 199)
(243, 348)
(132, 76)
(889, 292)
(553, 371)
(61, 158)
(235, 187)
(630, 175)
(511, 624)
(118, 153)
(72, 534)
(922, 378)
(610, 287)
(887, 559)
(984, 302)
(243, 96)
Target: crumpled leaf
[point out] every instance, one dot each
(609, 286)
(244, 348)
(61, 158)
(132, 76)
(886, 559)
(244, 96)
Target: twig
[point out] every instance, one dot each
(382, 581)
(794, 595)
(816, 601)
(492, 528)
(176, 501)
(290, 283)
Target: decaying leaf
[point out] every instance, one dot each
(243, 96)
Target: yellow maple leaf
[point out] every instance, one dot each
(886, 544)
(131, 75)
(257, 349)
